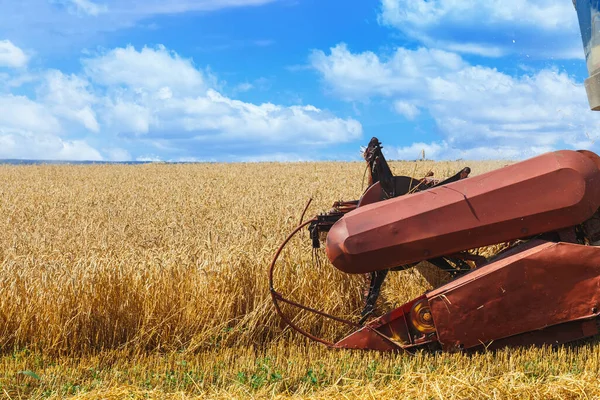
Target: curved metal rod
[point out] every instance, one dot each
(276, 296)
(338, 319)
(305, 209)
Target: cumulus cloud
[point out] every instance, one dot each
(69, 96)
(127, 117)
(215, 116)
(31, 130)
(147, 69)
(356, 76)
(490, 28)
(159, 100)
(58, 149)
(30, 145)
(475, 107)
(156, 93)
(11, 56)
(19, 113)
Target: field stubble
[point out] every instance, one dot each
(151, 281)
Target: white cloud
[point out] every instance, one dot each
(274, 157)
(128, 117)
(15, 80)
(117, 154)
(149, 158)
(27, 145)
(263, 84)
(547, 14)
(444, 151)
(68, 96)
(164, 93)
(216, 116)
(433, 151)
(244, 87)
(75, 150)
(145, 70)
(192, 160)
(152, 100)
(30, 130)
(545, 28)
(156, 93)
(11, 56)
(471, 104)
(86, 7)
(20, 113)
(409, 110)
(485, 50)
(356, 76)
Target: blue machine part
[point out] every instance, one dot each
(589, 23)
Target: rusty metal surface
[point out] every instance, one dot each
(367, 339)
(372, 195)
(549, 192)
(392, 331)
(401, 184)
(545, 285)
(553, 335)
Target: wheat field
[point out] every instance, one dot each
(150, 281)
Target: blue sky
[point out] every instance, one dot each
(287, 80)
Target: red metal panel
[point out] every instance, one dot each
(545, 285)
(372, 195)
(391, 331)
(553, 335)
(553, 191)
(367, 338)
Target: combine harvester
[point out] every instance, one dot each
(544, 288)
